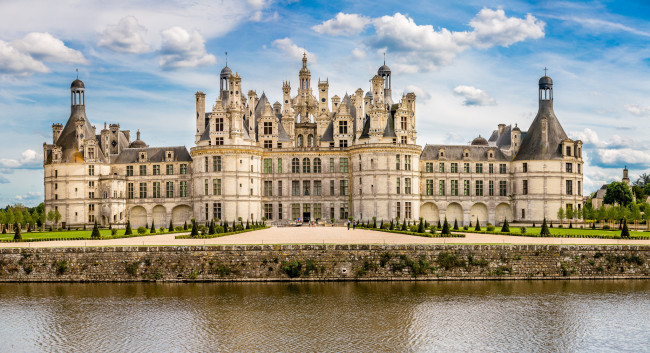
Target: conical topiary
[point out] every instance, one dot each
(95, 234)
(195, 231)
(153, 228)
(171, 226)
(211, 228)
(545, 232)
(505, 228)
(478, 225)
(185, 225)
(625, 232)
(404, 225)
(533, 224)
(421, 227)
(128, 231)
(392, 226)
(439, 225)
(17, 235)
(570, 225)
(445, 228)
(455, 224)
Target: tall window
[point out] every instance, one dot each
(183, 189)
(295, 165)
(129, 192)
(268, 210)
(429, 187)
(491, 187)
(331, 165)
(300, 141)
(397, 162)
(343, 165)
(569, 187)
(295, 211)
(441, 167)
(331, 187)
(479, 188)
(525, 167)
(407, 210)
(279, 187)
(280, 211)
(317, 166)
(569, 167)
(502, 168)
(219, 124)
(268, 165)
(295, 188)
(454, 188)
(407, 162)
(143, 190)
(429, 167)
(398, 208)
(441, 188)
(156, 169)
(206, 164)
(454, 167)
(344, 186)
(525, 187)
(398, 185)
(318, 211)
(404, 123)
(502, 188)
(169, 186)
(206, 192)
(279, 165)
(491, 168)
(216, 187)
(317, 188)
(407, 186)
(216, 210)
(156, 189)
(465, 187)
(129, 170)
(479, 167)
(466, 167)
(170, 169)
(310, 140)
(216, 163)
(91, 170)
(306, 187)
(344, 210)
(143, 169)
(268, 128)
(343, 127)
(579, 189)
(306, 165)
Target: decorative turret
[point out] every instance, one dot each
(626, 177)
(138, 143)
(323, 87)
(201, 121)
(56, 132)
(384, 72)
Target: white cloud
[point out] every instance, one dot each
(637, 109)
(474, 96)
(343, 25)
(420, 94)
(29, 196)
(287, 46)
(452, 138)
(4, 180)
(182, 49)
(28, 159)
(492, 27)
(44, 46)
(16, 63)
(587, 136)
(425, 48)
(623, 156)
(127, 36)
(358, 53)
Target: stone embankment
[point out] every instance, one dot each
(323, 263)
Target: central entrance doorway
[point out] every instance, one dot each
(306, 217)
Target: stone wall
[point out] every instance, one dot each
(323, 263)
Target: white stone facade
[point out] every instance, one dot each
(310, 158)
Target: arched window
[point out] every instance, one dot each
(310, 140)
(295, 165)
(306, 165)
(299, 140)
(317, 166)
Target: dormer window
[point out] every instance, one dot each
(568, 151)
(143, 156)
(169, 156)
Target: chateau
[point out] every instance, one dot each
(311, 157)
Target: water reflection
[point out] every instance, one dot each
(509, 316)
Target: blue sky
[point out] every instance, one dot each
(472, 66)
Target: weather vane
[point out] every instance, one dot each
(226, 58)
(545, 71)
(77, 73)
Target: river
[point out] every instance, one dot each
(504, 316)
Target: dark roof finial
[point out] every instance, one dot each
(384, 58)
(226, 59)
(545, 69)
(77, 73)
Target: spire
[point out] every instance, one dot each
(77, 73)
(226, 59)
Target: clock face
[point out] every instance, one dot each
(114, 143)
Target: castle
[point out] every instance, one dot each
(311, 157)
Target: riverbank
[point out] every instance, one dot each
(343, 262)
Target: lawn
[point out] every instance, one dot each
(71, 234)
(566, 232)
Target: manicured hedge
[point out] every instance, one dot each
(426, 235)
(217, 235)
(537, 235)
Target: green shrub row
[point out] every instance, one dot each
(426, 235)
(595, 236)
(109, 237)
(217, 235)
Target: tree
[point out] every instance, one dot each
(439, 225)
(17, 235)
(505, 228)
(478, 225)
(618, 192)
(211, 228)
(95, 234)
(171, 226)
(153, 228)
(57, 217)
(128, 230)
(195, 231)
(455, 224)
(638, 192)
(445, 228)
(569, 213)
(625, 233)
(643, 180)
(545, 231)
(185, 225)
(560, 214)
(421, 226)
(404, 224)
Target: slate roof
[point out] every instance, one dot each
(154, 154)
(455, 152)
(328, 135)
(532, 147)
(68, 138)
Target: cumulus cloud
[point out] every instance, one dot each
(358, 53)
(343, 25)
(637, 109)
(16, 63)
(45, 47)
(287, 46)
(452, 138)
(424, 48)
(615, 151)
(29, 159)
(127, 36)
(29, 196)
(474, 96)
(420, 93)
(181, 49)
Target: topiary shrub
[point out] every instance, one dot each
(414, 228)
(421, 226)
(113, 232)
(455, 224)
(17, 235)
(195, 230)
(625, 233)
(522, 230)
(445, 228)
(153, 228)
(95, 234)
(128, 231)
(545, 232)
(171, 226)
(606, 227)
(505, 228)
(218, 229)
(490, 228)
(178, 228)
(386, 226)
(142, 230)
(478, 225)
